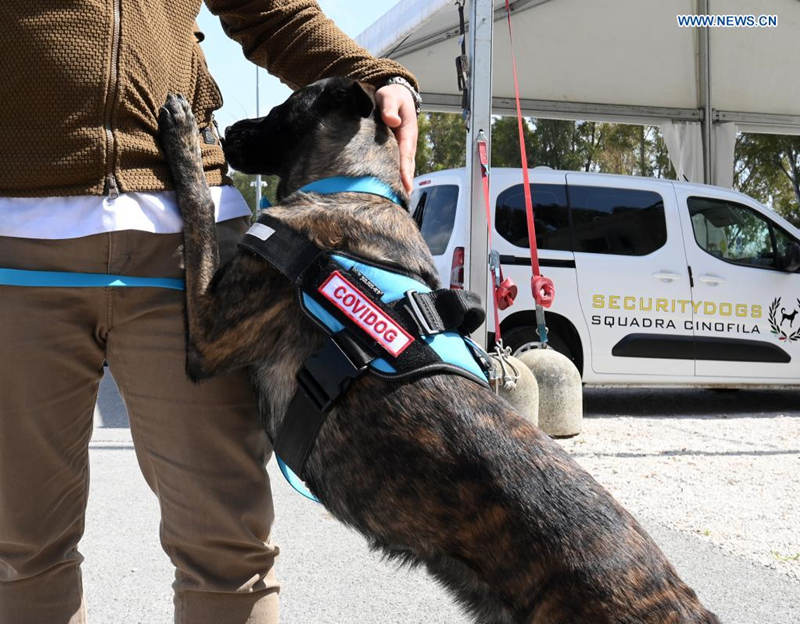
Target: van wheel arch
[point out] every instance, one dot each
(520, 328)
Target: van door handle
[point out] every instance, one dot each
(666, 276)
(711, 280)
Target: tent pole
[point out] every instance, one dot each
(705, 95)
(481, 20)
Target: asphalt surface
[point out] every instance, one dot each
(329, 576)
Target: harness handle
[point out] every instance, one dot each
(445, 309)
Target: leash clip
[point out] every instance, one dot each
(507, 376)
(505, 289)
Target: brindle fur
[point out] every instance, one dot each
(438, 471)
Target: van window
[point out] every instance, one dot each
(783, 242)
(619, 221)
(418, 200)
(435, 214)
(551, 217)
(736, 233)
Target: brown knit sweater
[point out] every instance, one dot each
(81, 83)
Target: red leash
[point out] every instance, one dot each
(542, 288)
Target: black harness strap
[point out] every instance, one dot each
(288, 251)
(323, 378)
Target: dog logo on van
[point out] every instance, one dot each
(786, 318)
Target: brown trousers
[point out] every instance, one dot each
(198, 445)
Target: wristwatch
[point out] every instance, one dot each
(414, 93)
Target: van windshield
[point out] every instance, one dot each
(435, 214)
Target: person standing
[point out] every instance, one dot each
(84, 189)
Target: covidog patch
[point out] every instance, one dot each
(358, 308)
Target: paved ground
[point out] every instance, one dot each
(330, 578)
(722, 466)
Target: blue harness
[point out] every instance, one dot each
(377, 319)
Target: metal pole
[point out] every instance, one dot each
(480, 91)
(705, 96)
(258, 176)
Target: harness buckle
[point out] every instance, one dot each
(327, 374)
(419, 316)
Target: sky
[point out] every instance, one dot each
(236, 76)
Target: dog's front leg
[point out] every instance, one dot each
(178, 134)
(179, 140)
(251, 295)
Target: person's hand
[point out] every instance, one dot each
(398, 112)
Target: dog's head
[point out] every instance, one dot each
(328, 128)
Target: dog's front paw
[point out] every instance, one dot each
(178, 131)
(176, 115)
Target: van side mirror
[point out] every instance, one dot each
(790, 262)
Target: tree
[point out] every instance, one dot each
(590, 136)
(441, 143)
(767, 167)
(569, 145)
(554, 144)
(662, 165)
(633, 150)
(505, 142)
(424, 156)
(448, 141)
(619, 147)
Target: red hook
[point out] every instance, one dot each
(506, 293)
(543, 290)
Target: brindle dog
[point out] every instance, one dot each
(438, 471)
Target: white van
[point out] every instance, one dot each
(657, 282)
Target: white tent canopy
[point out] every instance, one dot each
(622, 61)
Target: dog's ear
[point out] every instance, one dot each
(348, 97)
(363, 99)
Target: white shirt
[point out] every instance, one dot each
(84, 215)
